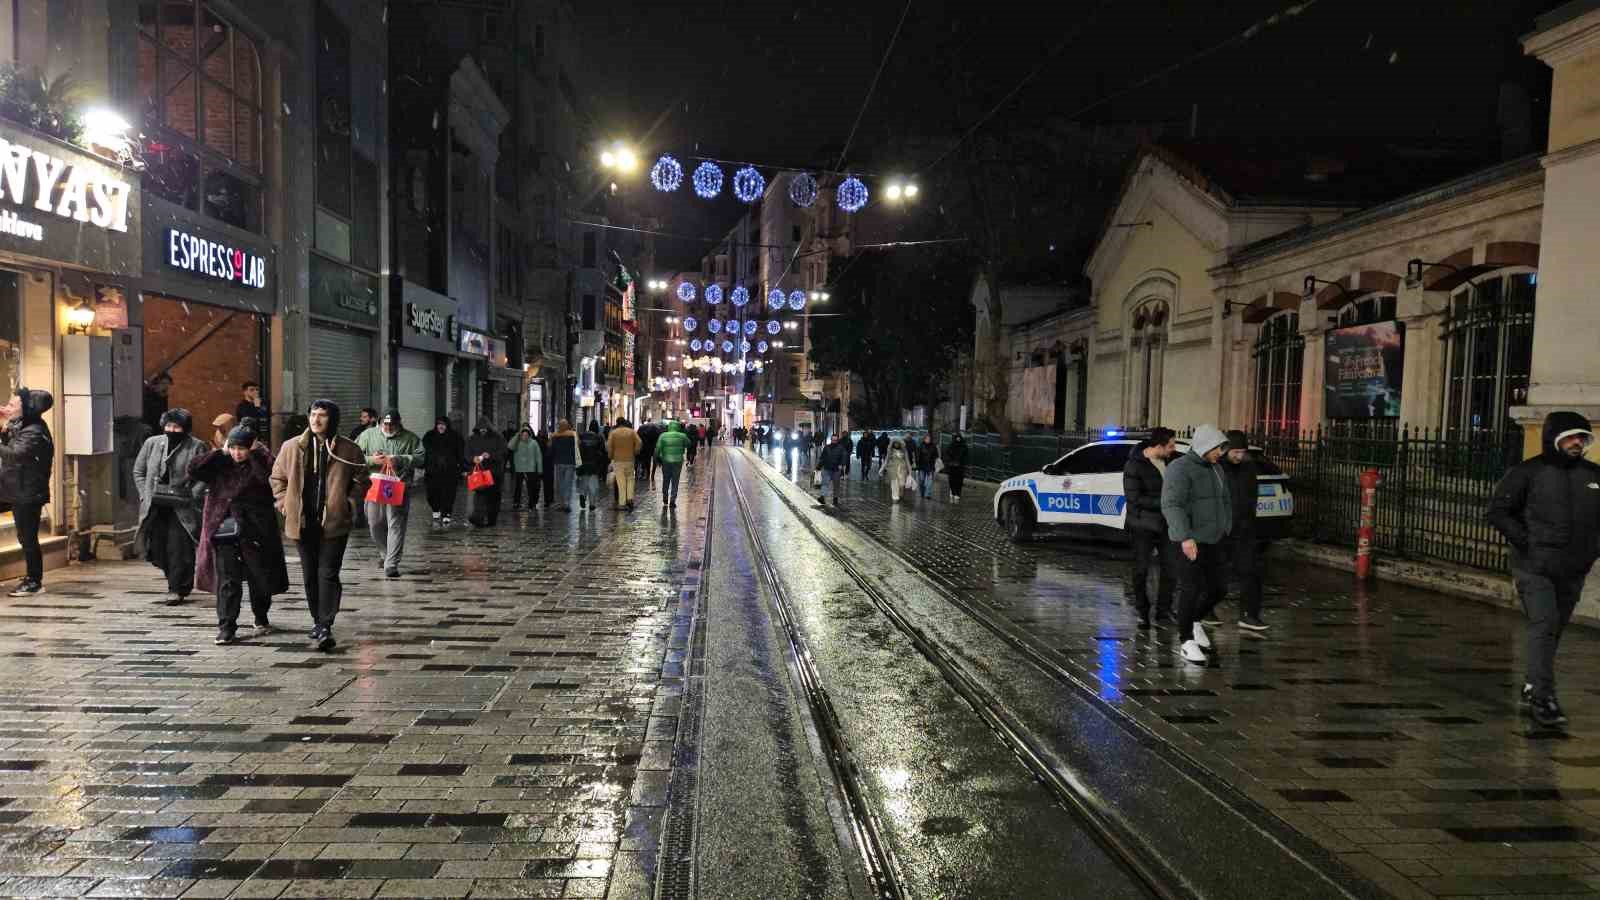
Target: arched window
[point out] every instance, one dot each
(1279, 353)
(1148, 351)
(200, 84)
(1488, 351)
(1369, 309)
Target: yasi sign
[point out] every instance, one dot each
(214, 259)
(62, 204)
(38, 181)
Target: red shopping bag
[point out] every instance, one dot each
(386, 488)
(479, 478)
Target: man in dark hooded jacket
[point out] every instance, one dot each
(1548, 508)
(27, 454)
(487, 448)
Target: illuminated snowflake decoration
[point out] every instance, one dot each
(803, 190)
(748, 185)
(852, 194)
(714, 326)
(775, 298)
(708, 181)
(797, 300)
(773, 326)
(744, 346)
(739, 295)
(666, 174)
(686, 291)
(713, 294)
(727, 346)
(761, 346)
(695, 345)
(731, 326)
(750, 326)
(690, 323)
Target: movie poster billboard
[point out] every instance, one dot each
(1364, 366)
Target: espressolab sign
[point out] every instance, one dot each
(59, 203)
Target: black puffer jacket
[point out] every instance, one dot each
(1141, 485)
(27, 452)
(1548, 507)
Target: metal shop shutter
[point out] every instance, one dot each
(341, 371)
(418, 390)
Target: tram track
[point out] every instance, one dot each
(1141, 867)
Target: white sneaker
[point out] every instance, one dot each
(1193, 653)
(1200, 636)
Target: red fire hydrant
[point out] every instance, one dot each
(1369, 515)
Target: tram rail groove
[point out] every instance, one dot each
(1323, 862)
(1139, 860)
(877, 857)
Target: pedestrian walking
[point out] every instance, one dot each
(548, 475)
(318, 480)
(565, 454)
(645, 459)
(239, 541)
(486, 448)
(1142, 479)
(1548, 509)
(897, 468)
(444, 455)
(1246, 549)
(27, 454)
(591, 466)
(833, 466)
(391, 449)
(955, 465)
(882, 449)
(670, 450)
(1197, 504)
(169, 502)
(624, 446)
(927, 464)
(527, 467)
(865, 448)
(818, 442)
(693, 449)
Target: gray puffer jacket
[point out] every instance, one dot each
(1196, 500)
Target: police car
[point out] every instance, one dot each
(1084, 488)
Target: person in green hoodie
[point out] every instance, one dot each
(670, 448)
(527, 467)
(391, 445)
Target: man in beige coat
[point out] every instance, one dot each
(623, 446)
(317, 480)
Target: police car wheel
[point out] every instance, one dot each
(1018, 520)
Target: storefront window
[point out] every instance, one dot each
(200, 80)
(10, 331)
(1279, 353)
(1488, 352)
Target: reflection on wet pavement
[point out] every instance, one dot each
(486, 726)
(1380, 721)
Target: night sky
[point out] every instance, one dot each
(781, 83)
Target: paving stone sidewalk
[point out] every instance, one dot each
(1382, 722)
(493, 724)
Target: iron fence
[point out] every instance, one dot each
(1434, 489)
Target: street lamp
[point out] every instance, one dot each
(897, 191)
(618, 156)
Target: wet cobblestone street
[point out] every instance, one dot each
(1383, 723)
(487, 727)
